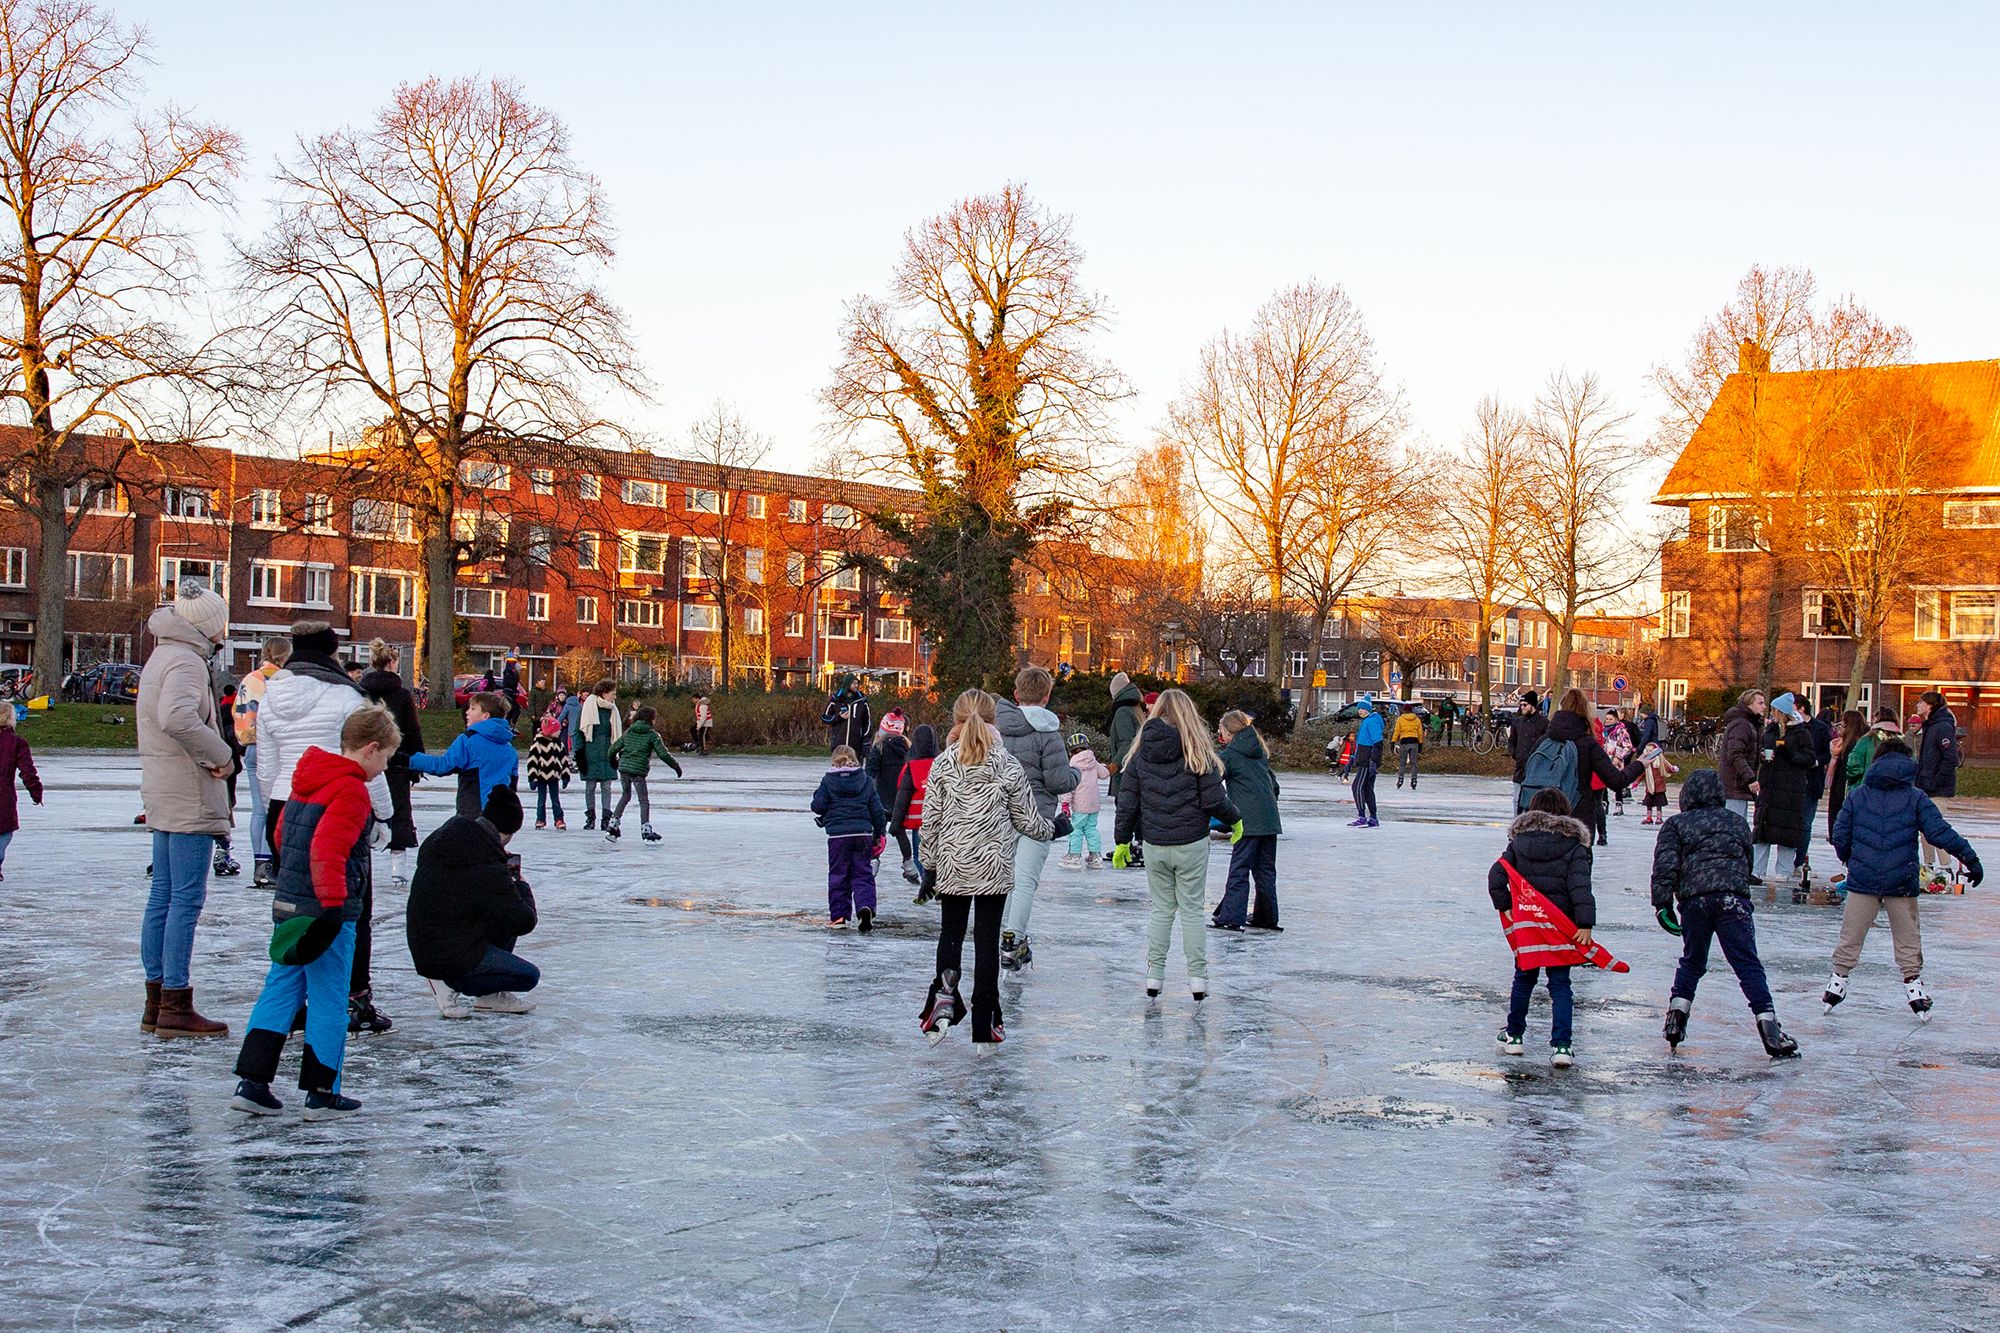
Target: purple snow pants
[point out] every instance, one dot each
(850, 876)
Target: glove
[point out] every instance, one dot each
(1062, 825)
(378, 836)
(1121, 856)
(1236, 831)
(1669, 919)
(927, 882)
(1974, 871)
(300, 940)
(880, 845)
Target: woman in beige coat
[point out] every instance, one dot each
(182, 763)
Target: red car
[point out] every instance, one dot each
(464, 687)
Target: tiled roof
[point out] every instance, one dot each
(1718, 460)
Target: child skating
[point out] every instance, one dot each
(323, 868)
(16, 761)
(886, 758)
(906, 812)
(548, 771)
(1655, 770)
(634, 753)
(1246, 763)
(1172, 783)
(1876, 838)
(848, 806)
(1084, 805)
(1552, 852)
(483, 756)
(1701, 892)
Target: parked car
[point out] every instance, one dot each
(463, 687)
(104, 683)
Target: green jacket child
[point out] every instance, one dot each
(634, 750)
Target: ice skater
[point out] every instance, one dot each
(483, 755)
(906, 812)
(977, 805)
(848, 806)
(634, 753)
(1366, 764)
(886, 758)
(1253, 788)
(1033, 735)
(1408, 738)
(1701, 892)
(598, 730)
(323, 871)
(1552, 851)
(1655, 771)
(548, 771)
(1084, 805)
(1876, 837)
(1173, 784)
(17, 762)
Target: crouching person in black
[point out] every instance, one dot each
(468, 904)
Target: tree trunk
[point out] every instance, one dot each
(51, 587)
(1857, 674)
(1482, 671)
(1274, 632)
(1559, 669)
(722, 615)
(1774, 621)
(434, 592)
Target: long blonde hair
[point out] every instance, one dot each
(1236, 720)
(972, 722)
(1174, 708)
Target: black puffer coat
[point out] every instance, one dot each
(1523, 736)
(1703, 850)
(387, 688)
(1590, 758)
(1552, 852)
(1782, 783)
(464, 897)
(1736, 760)
(1937, 761)
(1161, 793)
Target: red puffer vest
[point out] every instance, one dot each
(920, 773)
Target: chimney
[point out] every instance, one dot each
(1752, 359)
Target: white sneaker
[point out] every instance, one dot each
(1072, 862)
(1093, 862)
(505, 1002)
(449, 1002)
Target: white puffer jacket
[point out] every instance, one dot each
(305, 705)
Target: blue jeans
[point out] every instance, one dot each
(1029, 858)
(1805, 843)
(1560, 999)
(5, 838)
(321, 986)
(1255, 856)
(547, 794)
(1727, 917)
(260, 848)
(180, 887)
(498, 971)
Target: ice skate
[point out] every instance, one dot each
(541, 823)
(1509, 1043)
(646, 833)
(505, 1002)
(1836, 991)
(560, 826)
(264, 873)
(1199, 986)
(225, 864)
(1677, 1023)
(254, 1099)
(1154, 985)
(610, 831)
(1010, 958)
(1024, 954)
(590, 822)
(1562, 1057)
(1778, 1044)
(1920, 1002)
(329, 1106)
(1072, 862)
(945, 1009)
(864, 921)
(363, 1018)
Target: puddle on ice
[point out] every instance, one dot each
(1371, 1110)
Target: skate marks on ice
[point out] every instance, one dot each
(815, 920)
(1377, 1111)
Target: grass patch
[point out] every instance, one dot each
(80, 727)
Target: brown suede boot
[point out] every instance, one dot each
(151, 1018)
(179, 1019)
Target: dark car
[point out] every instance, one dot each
(106, 683)
(465, 686)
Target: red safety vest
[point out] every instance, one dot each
(1541, 935)
(920, 773)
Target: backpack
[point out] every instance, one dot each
(1552, 764)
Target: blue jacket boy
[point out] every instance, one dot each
(1876, 833)
(483, 756)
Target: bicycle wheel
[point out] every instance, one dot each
(1482, 742)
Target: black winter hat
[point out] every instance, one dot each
(503, 811)
(322, 641)
(1530, 698)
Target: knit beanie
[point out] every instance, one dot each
(203, 608)
(324, 642)
(1119, 683)
(550, 726)
(503, 811)
(893, 725)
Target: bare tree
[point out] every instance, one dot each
(727, 452)
(99, 366)
(433, 278)
(1268, 411)
(1575, 552)
(1154, 529)
(1478, 519)
(976, 380)
(1415, 633)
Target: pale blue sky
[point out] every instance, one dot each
(1502, 187)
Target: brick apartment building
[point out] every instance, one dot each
(618, 557)
(1942, 633)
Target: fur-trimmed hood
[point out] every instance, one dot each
(1541, 821)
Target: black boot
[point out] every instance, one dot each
(1677, 1022)
(1778, 1044)
(363, 1018)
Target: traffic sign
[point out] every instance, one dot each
(1319, 679)
(1471, 667)
(1395, 678)
(1618, 684)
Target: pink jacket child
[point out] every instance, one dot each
(1654, 779)
(1084, 803)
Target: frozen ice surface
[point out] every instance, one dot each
(722, 1115)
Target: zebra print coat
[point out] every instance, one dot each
(973, 817)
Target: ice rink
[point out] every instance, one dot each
(723, 1116)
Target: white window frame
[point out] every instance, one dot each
(589, 549)
(641, 613)
(1676, 612)
(643, 493)
(753, 564)
(753, 620)
(542, 480)
(700, 557)
(260, 571)
(586, 609)
(1514, 633)
(13, 566)
(795, 568)
(177, 501)
(892, 629)
(495, 599)
(700, 617)
(840, 516)
(1719, 540)
(1812, 608)
(121, 575)
(363, 585)
(837, 578)
(1971, 513)
(795, 511)
(483, 474)
(630, 544)
(267, 508)
(538, 606)
(754, 506)
(1990, 613)
(317, 515)
(589, 486)
(703, 500)
(479, 527)
(384, 520)
(310, 575)
(795, 625)
(172, 571)
(847, 618)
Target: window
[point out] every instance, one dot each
(795, 511)
(267, 508)
(487, 602)
(641, 615)
(13, 566)
(1514, 633)
(1541, 634)
(1731, 528)
(642, 553)
(753, 564)
(1371, 665)
(541, 544)
(649, 493)
(846, 579)
(538, 606)
(701, 558)
(210, 573)
(382, 592)
(702, 500)
(103, 499)
(186, 502)
(1495, 634)
(795, 569)
(1332, 663)
(99, 576)
(1828, 615)
(485, 474)
(267, 581)
(586, 610)
(1972, 513)
(485, 534)
(316, 586)
(317, 515)
(840, 516)
(1493, 669)
(1512, 667)
(1975, 615)
(843, 627)
(1927, 617)
(588, 487)
(1297, 664)
(753, 506)
(1674, 615)
(384, 518)
(892, 629)
(699, 616)
(542, 480)
(795, 625)
(90, 649)
(753, 620)
(587, 552)
(1541, 672)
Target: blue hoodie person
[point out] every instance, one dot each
(850, 809)
(483, 756)
(1876, 836)
(1367, 761)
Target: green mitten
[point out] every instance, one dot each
(1236, 831)
(1121, 856)
(300, 940)
(1669, 919)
